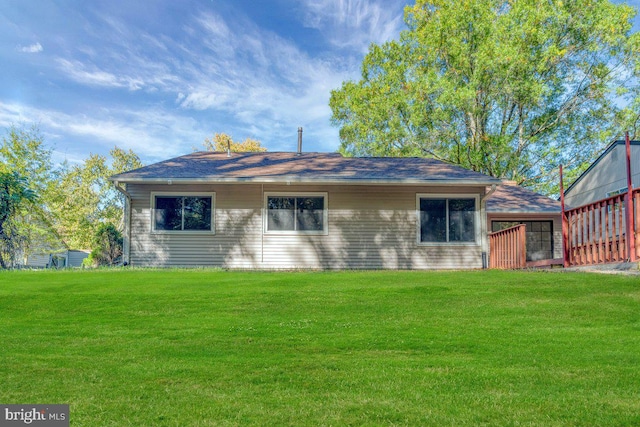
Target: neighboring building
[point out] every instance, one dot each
(511, 205)
(606, 177)
(67, 258)
(308, 210)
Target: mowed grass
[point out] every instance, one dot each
(206, 347)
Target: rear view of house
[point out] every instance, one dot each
(305, 210)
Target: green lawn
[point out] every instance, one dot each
(206, 347)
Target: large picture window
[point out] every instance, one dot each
(305, 213)
(188, 212)
(447, 220)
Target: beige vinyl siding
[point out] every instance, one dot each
(609, 174)
(368, 227)
(235, 243)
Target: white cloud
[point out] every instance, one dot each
(208, 73)
(263, 80)
(354, 23)
(33, 48)
(153, 134)
(76, 70)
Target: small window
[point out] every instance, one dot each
(447, 220)
(296, 213)
(617, 192)
(189, 212)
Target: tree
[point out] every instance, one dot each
(72, 200)
(23, 152)
(86, 198)
(510, 88)
(222, 142)
(15, 195)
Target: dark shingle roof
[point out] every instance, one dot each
(306, 167)
(510, 198)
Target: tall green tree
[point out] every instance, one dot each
(23, 151)
(86, 198)
(510, 88)
(15, 197)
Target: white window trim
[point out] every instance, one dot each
(154, 194)
(325, 213)
(477, 241)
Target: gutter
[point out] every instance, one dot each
(487, 196)
(296, 180)
(485, 234)
(126, 244)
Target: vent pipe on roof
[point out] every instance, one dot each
(299, 140)
(228, 148)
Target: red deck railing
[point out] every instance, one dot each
(605, 231)
(507, 248)
(636, 221)
(597, 233)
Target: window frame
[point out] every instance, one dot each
(155, 194)
(296, 195)
(448, 196)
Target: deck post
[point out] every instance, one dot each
(565, 226)
(628, 201)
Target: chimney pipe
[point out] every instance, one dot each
(299, 140)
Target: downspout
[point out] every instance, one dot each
(126, 244)
(485, 232)
(263, 220)
(565, 225)
(630, 211)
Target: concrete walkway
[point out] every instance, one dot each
(628, 268)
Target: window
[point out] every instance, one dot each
(300, 213)
(185, 212)
(447, 220)
(616, 193)
(539, 235)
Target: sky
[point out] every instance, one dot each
(160, 76)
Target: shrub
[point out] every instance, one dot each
(107, 246)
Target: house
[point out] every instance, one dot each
(66, 258)
(310, 210)
(606, 177)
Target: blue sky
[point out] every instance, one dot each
(159, 76)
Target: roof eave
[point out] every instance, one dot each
(296, 180)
